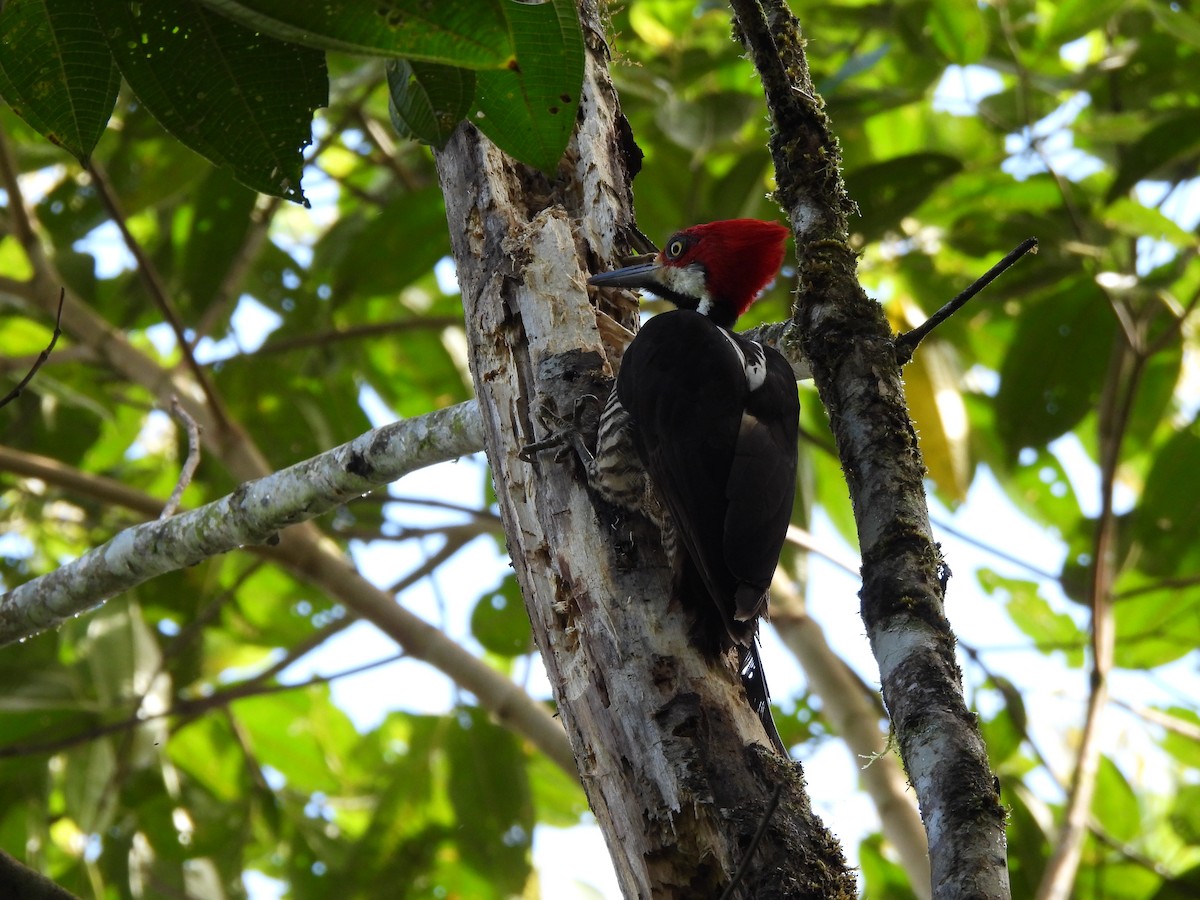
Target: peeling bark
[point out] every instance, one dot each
(675, 763)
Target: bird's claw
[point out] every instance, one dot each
(565, 435)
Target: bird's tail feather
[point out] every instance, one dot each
(754, 680)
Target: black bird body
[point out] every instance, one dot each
(721, 455)
(700, 434)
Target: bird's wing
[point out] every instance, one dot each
(689, 406)
(762, 485)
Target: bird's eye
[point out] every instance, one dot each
(675, 248)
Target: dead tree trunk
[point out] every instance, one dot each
(674, 762)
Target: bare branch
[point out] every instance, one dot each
(43, 356)
(97, 487)
(805, 541)
(907, 342)
(185, 708)
(253, 514)
(189, 464)
(848, 342)
(350, 333)
(1126, 367)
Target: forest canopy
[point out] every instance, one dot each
(242, 206)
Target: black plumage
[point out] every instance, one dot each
(721, 456)
(700, 434)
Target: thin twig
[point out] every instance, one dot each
(447, 505)
(1165, 584)
(427, 568)
(980, 544)
(805, 540)
(1116, 408)
(1174, 724)
(187, 708)
(744, 866)
(153, 282)
(349, 333)
(907, 342)
(43, 356)
(189, 464)
(1173, 328)
(107, 491)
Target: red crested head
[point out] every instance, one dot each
(718, 269)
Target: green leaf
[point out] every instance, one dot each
(1167, 519)
(1074, 18)
(1028, 845)
(1004, 732)
(56, 71)
(1157, 627)
(1184, 886)
(472, 35)
(1038, 483)
(243, 101)
(558, 798)
(1056, 362)
(207, 750)
(957, 30)
(298, 733)
(888, 191)
(1177, 22)
(528, 108)
(1031, 613)
(1115, 805)
(500, 623)
(1126, 216)
(219, 221)
(1185, 814)
(89, 772)
(882, 879)
(1175, 138)
(490, 793)
(428, 100)
(122, 654)
(1178, 742)
(409, 233)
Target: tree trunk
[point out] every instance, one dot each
(676, 765)
(850, 346)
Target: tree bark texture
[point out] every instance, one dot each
(675, 763)
(846, 338)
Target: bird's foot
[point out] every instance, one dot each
(567, 435)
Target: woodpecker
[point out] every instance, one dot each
(700, 433)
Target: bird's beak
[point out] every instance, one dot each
(640, 275)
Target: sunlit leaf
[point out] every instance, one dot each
(1031, 613)
(490, 793)
(957, 31)
(1055, 365)
(297, 733)
(528, 108)
(880, 876)
(1115, 806)
(500, 623)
